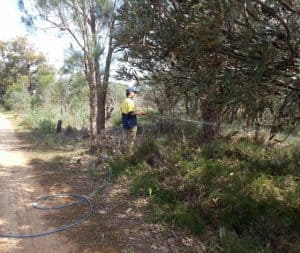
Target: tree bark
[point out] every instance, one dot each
(211, 115)
(102, 89)
(101, 101)
(93, 110)
(59, 126)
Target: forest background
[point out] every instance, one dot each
(221, 83)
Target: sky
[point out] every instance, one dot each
(52, 46)
(11, 27)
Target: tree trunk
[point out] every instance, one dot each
(93, 113)
(102, 89)
(211, 115)
(59, 126)
(91, 80)
(258, 123)
(101, 101)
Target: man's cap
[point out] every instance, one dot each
(132, 89)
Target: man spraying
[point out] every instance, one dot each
(129, 117)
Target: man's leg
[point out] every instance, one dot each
(131, 137)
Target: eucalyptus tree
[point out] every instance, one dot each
(17, 59)
(262, 42)
(90, 23)
(71, 89)
(230, 55)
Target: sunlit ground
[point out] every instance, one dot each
(9, 159)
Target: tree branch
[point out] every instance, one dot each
(285, 26)
(289, 7)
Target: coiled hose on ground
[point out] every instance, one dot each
(81, 200)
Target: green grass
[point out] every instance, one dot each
(252, 192)
(232, 243)
(45, 119)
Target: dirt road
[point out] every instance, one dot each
(18, 188)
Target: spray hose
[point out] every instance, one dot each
(81, 199)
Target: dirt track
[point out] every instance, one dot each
(18, 188)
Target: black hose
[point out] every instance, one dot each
(82, 199)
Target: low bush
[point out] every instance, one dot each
(46, 126)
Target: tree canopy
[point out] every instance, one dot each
(232, 56)
(18, 58)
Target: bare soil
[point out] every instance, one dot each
(18, 188)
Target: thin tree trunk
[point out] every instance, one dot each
(95, 67)
(91, 80)
(93, 110)
(101, 101)
(102, 90)
(258, 127)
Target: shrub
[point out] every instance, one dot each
(116, 119)
(46, 126)
(145, 185)
(17, 97)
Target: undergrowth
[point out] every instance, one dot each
(247, 194)
(250, 196)
(45, 119)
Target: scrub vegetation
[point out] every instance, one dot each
(217, 156)
(246, 194)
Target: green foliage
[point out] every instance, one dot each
(149, 148)
(18, 59)
(120, 167)
(85, 21)
(17, 97)
(238, 57)
(33, 118)
(25, 78)
(106, 6)
(145, 185)
(114, 98)
(177, 214)
(116, 119)
(251, 192)
(164, 203)
(65, 99)
(46, 126)
(233, 244)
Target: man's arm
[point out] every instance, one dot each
(137, 113)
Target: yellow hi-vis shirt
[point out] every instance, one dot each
(129, 121)
(127, 106)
